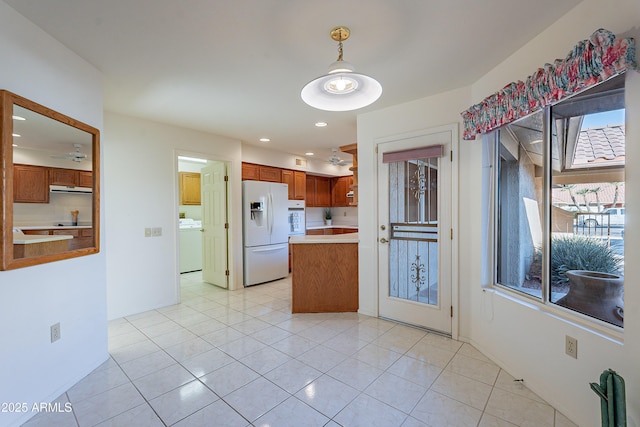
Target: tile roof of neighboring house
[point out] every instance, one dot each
(600, 144)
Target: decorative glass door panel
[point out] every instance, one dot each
(413, 243)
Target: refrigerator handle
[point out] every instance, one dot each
(270, 213)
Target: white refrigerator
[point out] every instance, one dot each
(265, 231)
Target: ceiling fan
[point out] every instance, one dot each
(335, 160)
(75, 156)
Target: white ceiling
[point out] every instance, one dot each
(236, 68)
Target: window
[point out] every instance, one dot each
(559, 195)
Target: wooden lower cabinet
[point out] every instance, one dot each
(82, 237)
(39, 249)
(330, 231)
(324, 277)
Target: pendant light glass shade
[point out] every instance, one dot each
(341, 89)
(341, 92)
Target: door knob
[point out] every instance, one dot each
(383, 240)
(202, 230)
(383, 227)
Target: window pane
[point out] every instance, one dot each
(519, 223)
(587, 197)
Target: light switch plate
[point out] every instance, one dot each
(147, 232)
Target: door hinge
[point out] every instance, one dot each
(451, 234)
(376, 149)
(226, 178)
(451, 311)
(451, 155)
(226, 272)
(226, 225)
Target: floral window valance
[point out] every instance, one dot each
(590, 62)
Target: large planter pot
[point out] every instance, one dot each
(596, 294)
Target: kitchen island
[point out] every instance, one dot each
(25, 246)
(324, 273)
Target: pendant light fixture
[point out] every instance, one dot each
(341, 89)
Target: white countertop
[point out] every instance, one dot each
(51, 227)
(332, 238)
(25, 239)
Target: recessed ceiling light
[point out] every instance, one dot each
(18, 118)
(309, 153)
(16, 135)
(265, 140)
(321, 124)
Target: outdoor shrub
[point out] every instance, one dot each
(581, 253)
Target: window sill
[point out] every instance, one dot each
(584, 322)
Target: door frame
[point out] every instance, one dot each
(234, 275)
(455, 142)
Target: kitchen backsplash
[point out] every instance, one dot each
(57, 211)
(339, 216)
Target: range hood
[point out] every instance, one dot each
(70, 189)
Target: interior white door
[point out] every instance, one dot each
(414, 244)
(214, 220)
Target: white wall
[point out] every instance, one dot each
(72, 292)
(142, 187)
(525, 339)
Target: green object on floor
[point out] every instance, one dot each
(612, 399)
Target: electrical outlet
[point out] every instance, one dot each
(156, 231)
(571, 346)
(55, 332)
(147, 232)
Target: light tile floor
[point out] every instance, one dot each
(240, 358)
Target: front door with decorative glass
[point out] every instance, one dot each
(414, 188)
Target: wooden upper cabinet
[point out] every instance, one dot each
(270, 174)
(58, 176)
(30, 184)
(310, 187)
(253, 172)
(70, 177)
(323, 191)
(250, 172)
(300, 185)
(296, 182)
(287, 178)
(318, 191)
(339, 188)
(85, 179)
(189, 188)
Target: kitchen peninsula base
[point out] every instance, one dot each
(325, 273)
